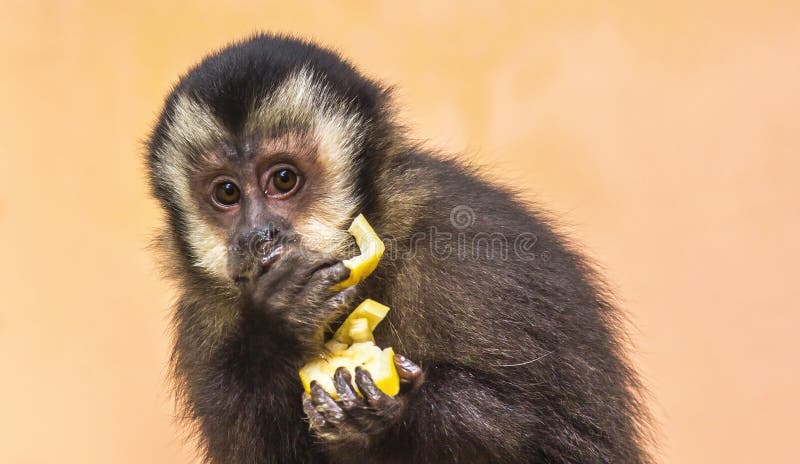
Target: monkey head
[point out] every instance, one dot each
(248, 162)
(255, 163)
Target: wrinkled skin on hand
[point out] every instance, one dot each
(354, 420)
(299, 290)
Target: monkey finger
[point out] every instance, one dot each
(409, 372)
(343, 298)
(315, 419)
(326, 302)
(333, 274)
(321, 282)
(347, 395)
(373, 395)
(325, 405)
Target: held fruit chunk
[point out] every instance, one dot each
(371, 248)
(356, 332)
(369, 310)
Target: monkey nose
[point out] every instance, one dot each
(258, 242)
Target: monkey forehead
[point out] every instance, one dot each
(297, 145)
(305, 104)
(301, 116)
(300, 111)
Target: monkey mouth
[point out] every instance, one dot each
(260, 265)
(267, 260)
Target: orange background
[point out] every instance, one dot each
(664, 134)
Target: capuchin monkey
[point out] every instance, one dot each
(510, 347)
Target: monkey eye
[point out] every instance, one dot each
(226, 193)
(282, 181)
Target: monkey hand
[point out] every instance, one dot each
(300, 289)
(355, 420)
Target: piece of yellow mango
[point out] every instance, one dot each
(369, 310)
(371, 248)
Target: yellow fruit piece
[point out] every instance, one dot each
(371, 248)
(370, 310)
(359, 331)
(379, 363)
(353, 345)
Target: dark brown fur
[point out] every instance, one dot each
(522, 349)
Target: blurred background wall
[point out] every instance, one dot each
(665, 135)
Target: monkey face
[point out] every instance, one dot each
(253, 196)
(242, 191)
